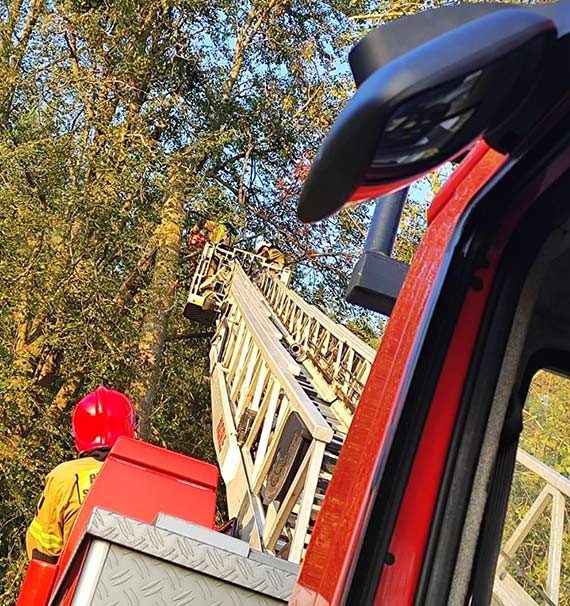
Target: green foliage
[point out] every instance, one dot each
(108, 111)
(547, 423)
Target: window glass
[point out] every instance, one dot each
(534, 562)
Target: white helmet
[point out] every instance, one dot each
(262, 244)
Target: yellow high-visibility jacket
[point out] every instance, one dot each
(275, 256)
(65, 490)
(216, 232)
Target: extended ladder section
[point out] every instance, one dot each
(285, 379)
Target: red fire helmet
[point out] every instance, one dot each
(101, 417)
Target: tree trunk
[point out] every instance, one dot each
(69, 391)
(23, 19)
(136, 278)
(161, 294)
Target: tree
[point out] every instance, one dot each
(120, 122)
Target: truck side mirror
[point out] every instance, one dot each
(426, 106)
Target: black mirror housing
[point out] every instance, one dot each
(426, 106)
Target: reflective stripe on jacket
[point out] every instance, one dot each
(65, 490)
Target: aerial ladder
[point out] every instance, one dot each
(284, 382)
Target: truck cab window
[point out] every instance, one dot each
(534, 560)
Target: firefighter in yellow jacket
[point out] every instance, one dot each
(210, 231)
(271, 253)
(98, 421)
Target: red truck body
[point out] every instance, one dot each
(333, 550)
(137, 480)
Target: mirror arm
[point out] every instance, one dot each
(377, 278)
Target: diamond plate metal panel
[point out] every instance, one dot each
(133, 578)
(167, 549)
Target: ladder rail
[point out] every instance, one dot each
(270, 287)
(343, 359)
(281, 365)
(258, 381)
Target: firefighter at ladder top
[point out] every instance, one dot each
(271, 253)
(210, 231)
(99, 419)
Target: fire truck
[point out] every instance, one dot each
(356, 477)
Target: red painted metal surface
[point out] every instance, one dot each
(140, 481)
(170, 464)
(339, 528)
(37, 585)
(367, 192)
(399, 581)
(458, 179)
